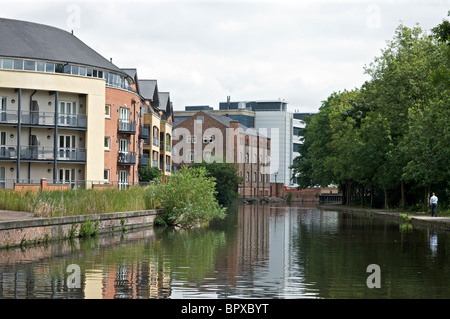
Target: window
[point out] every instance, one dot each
(190, 158)
(2, 177)
(188, 139)
(106, 175)
(40, 66)
(246, 157)
(66, 69)
(82, 71)
(50, 67)
(107, 143)
(254, 176)
(58, 68)
(74, 70)
(29, 66)
(246, 176)
(107, 111)
(18, 64)
(7, 64)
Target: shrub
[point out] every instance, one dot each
(188, 198)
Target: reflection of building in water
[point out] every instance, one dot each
(142, 280)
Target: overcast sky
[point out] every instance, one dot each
(202, 51)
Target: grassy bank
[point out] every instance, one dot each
(75, 202)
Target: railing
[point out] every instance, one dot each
(127, 158)
(167, 167)
(74, 184)
(43, 118)
(144, 132)
(155, 141)
(47, 153)
(154, 163)
(8, 152)
(143, 161)
(127, 127)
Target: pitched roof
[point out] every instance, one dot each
(22, 39)
(148, 89)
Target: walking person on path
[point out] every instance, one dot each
(433, 204)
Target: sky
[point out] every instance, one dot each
(202, 51)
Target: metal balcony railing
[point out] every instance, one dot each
(128, 158)
(43, 118)
(127, 127)
(143, 161)
(31, 152)
(155, 141)
(144, 132)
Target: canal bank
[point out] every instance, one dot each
(422, 221)
(21, 228)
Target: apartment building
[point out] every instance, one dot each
(210, 137)
(66, 113)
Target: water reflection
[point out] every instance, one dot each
(268, 251)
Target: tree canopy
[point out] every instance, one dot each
(389, 140)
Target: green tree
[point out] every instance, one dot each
(228, 176)
(188, 199)
(148, 174)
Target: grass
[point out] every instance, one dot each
(75, 202)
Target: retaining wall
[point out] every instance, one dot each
(24, 232)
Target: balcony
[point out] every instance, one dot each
(31, 118)
(127, 158)
(8, 152)
(154, 163)
(155, 141)
(144, 132)
(143, 161)
(37, 153)
(127, 127)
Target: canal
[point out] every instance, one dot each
(258, 251)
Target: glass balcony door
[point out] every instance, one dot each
(67, 113)
(67, 148)
(124, 118)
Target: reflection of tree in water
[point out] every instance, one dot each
(190, 254)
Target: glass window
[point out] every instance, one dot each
(108, 111)
(82, 71)
(66, 69)
(100, 74)
(94, 73)
(106, 175)
(74, 70)
(29, 66)
(49, 67)
(7, 64)
(89, 72)
(40, 66)
(107, 143)
(58, 68)
(18, 64)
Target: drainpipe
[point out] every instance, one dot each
(19, 127)
(29, 133)
(55, 140)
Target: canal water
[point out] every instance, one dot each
(258, 251)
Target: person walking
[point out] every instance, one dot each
(433, 204)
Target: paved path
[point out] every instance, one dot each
(9, 215)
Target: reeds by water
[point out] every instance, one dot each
(75, 202)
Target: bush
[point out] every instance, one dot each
(188, 198)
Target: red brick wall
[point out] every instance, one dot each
(117, 98)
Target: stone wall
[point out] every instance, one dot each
(38, 230)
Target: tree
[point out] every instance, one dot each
(228, 176)
(148, 174)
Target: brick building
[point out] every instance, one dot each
(70, 116)
(210, 137)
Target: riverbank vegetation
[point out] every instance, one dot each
(387, 143)
(75, 202)
(188, 198)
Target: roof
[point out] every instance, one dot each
(164, 101)
(148, 88)
(28, 40)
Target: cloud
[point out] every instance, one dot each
(202, 51)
